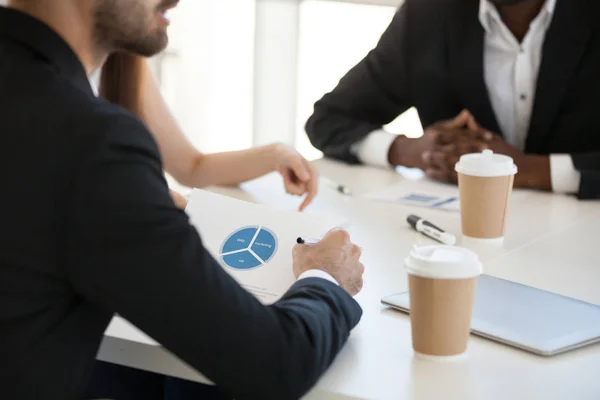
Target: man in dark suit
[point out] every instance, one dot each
(89, 229)
(525, 71)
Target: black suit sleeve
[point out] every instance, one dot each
(589, 166)
(371, 95)
(133, 252)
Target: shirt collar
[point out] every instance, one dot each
(39, 38)
(488, 12)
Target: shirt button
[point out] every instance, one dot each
(521, 50)
(523, 97)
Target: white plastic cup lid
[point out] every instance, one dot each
(486, 164)
(443, 262)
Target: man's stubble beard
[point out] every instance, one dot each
(123, 25)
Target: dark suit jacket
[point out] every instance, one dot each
(431, 57)
(88, 229)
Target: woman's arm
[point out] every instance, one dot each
(183, 161)
(194, 169)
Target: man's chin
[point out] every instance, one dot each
(148, 47)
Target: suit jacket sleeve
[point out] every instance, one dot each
(371, 95)
(133, 252)
(589, 166)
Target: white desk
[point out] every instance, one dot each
(551, 243)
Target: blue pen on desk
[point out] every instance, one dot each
(444, 202)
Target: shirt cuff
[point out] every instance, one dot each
(317, 273)
(374, 149)
(563, 174)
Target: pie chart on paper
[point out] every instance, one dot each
(248, 248)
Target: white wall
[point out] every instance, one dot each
(326, 54)
(275, 71)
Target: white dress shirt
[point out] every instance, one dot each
(94, 79)
(511, 71)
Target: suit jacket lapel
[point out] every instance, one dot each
(467, 64)
(564, 46)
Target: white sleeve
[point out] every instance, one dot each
(374, 149)
(94, 79)
(565, 178)
(317, 273)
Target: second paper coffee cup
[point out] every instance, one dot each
(442, 282)
(485, 182)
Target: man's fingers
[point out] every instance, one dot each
(460, 142)
(460, 121)
(488, 136)
(339, 237)
(472, 125)
(426, 157)
(463, 119)
(438, 159)
(446, 148)
(297, 249)
(441, 174)
(361, 268)
(436, 174)
(447, 136)
(451, 160)
(463, 125)
(480, 135)
(359, 282)
(435, 159)
(477, 131)
(470, 146)
(356, 251)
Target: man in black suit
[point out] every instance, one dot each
(89, 229)
(525, 71)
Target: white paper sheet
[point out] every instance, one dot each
(420, 193)
(252, 242)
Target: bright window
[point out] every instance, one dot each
(335, 36)
(207, 74)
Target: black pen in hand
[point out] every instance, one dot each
(303, 240)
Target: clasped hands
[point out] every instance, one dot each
(446, 141)
(442, 144)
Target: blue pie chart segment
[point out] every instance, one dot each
(242, 260)
(265, 245)
(239, 240)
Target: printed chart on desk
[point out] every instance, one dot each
(253, 243)
(248, 248)
(419, 193)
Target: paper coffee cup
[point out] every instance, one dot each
(485, 182)
(442, 281)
